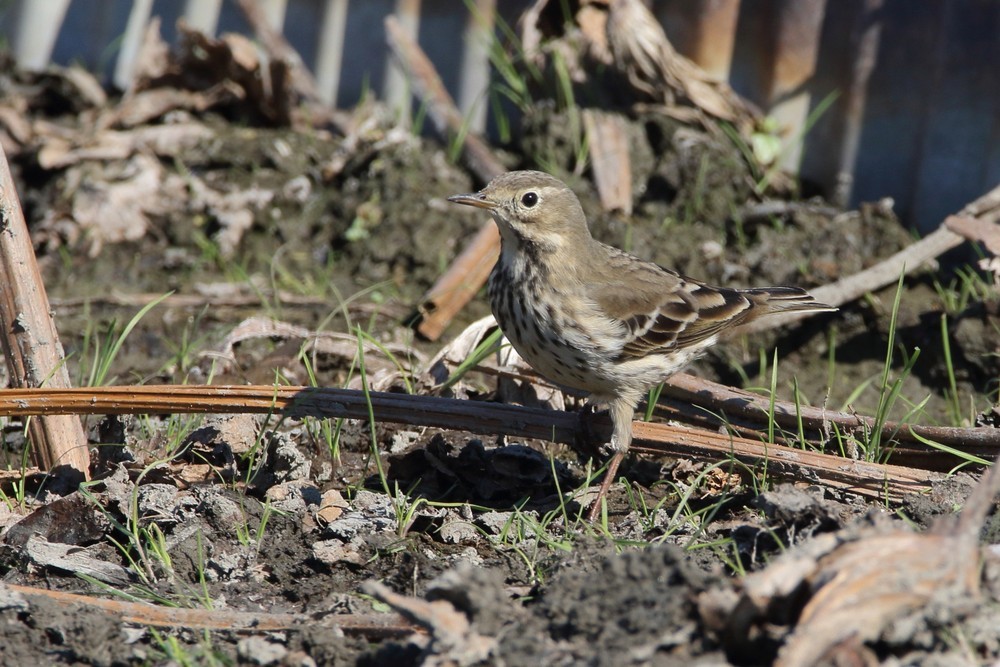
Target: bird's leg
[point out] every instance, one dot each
(622, 410)
(609, 477)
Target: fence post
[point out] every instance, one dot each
(396, 88)
(203, 15)
(38, 26)
(135, 31)
(474, 83)
(330, 55)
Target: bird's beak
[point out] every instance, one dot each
(476, 199)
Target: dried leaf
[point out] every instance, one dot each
(76, 560)
(116, 211)
(452, 641)
(441, 366)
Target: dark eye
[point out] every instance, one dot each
(529, 199)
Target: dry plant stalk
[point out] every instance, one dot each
(372, 626)
(30, 341)
(460, 283)
(611, 164)
(441, 108)
(873, 480)
(741, 407)
(698, 402)
(911, 258)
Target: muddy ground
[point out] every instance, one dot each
(480, 539)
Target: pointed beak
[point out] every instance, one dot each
(477, 199)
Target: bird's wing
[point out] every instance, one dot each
(662, 311)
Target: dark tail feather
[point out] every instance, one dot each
(785, 300)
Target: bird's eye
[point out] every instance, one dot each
(529, 199)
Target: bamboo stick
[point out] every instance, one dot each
(29, 340)
(869, 479)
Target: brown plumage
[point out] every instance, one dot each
(594, 318)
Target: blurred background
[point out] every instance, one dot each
(910, 91)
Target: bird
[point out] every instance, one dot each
(595, 319)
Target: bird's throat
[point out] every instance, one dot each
(519, 251)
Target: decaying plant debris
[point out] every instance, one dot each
(296, 239)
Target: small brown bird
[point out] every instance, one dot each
(594, 318)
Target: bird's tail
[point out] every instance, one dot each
(785, 300)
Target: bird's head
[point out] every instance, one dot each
(532, 207)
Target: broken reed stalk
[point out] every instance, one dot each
(886, 272)
(371, 626)
(610, 162)
(29, 339)
(701, 403)
(459, 284)
(870, 479)
(738, 407)
(441, 108)
(470, 269)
